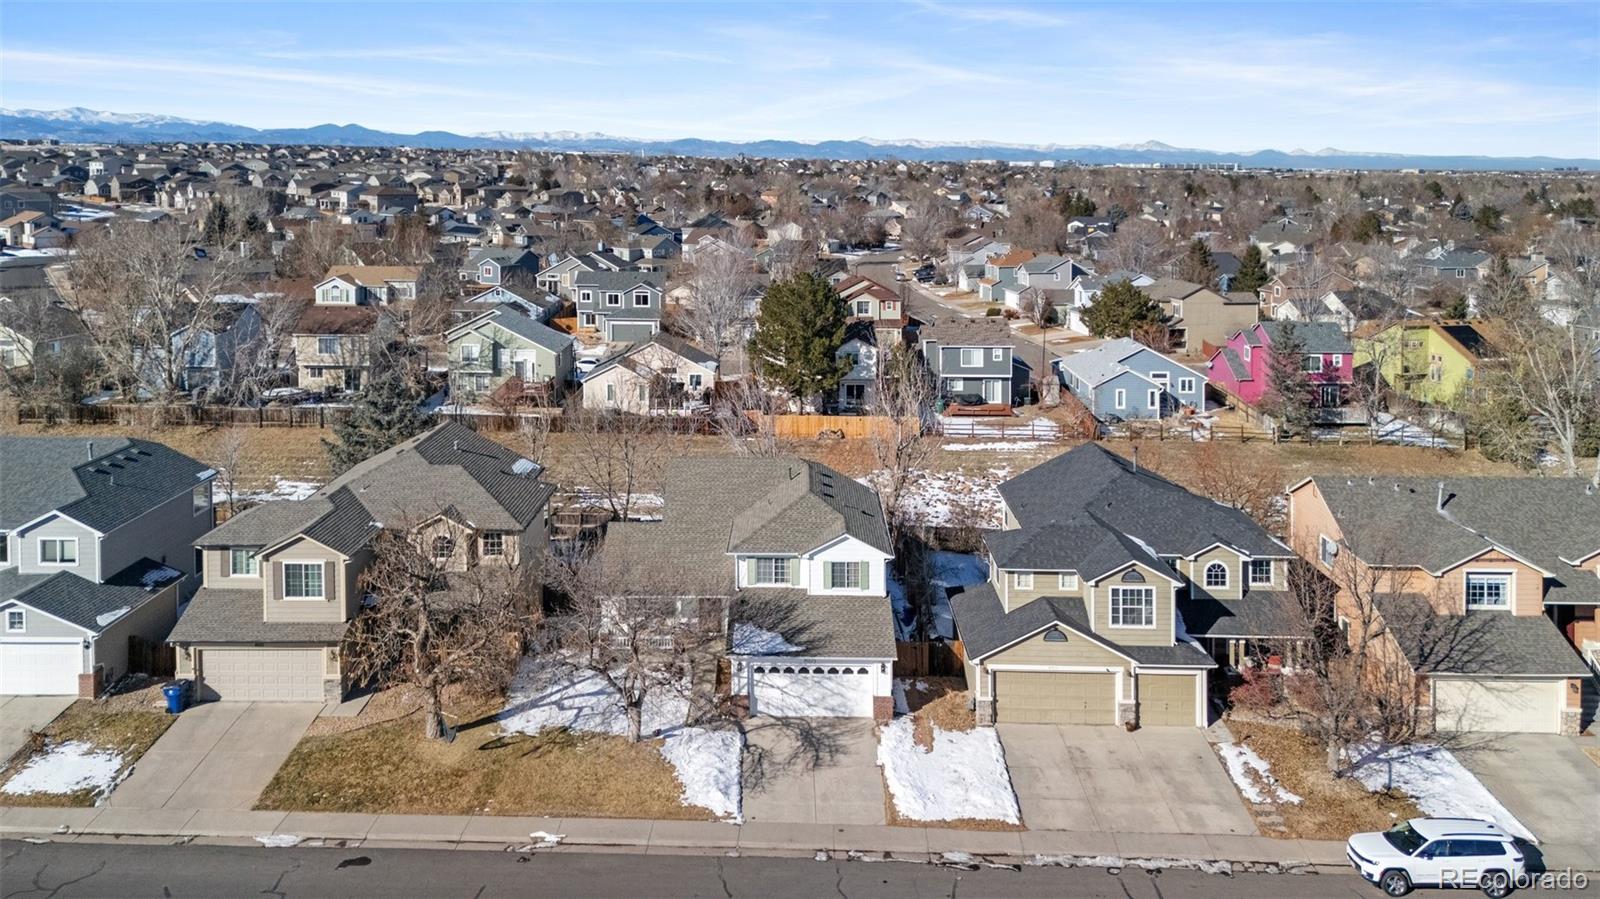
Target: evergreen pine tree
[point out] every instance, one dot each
(216, 222)
(1121, 309)
(1289, 389)
(800, 326)
(1197, 265)
(1253, 273)
(385, 412)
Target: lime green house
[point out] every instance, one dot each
(1430, 362)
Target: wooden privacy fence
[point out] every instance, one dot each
(150, 657)
(928, 658)
(810, 427)
(324, 416)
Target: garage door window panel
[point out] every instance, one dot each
(1488, 589)
(1133, 607)
(303, 581)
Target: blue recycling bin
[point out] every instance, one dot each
(175, 693)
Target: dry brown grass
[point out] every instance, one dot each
(1592, 753)
(128, 731)
(390, 768)
(893, 818)
(1332, 808)
(937, 702)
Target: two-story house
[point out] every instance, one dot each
(1487, 587)
(492, 266)
(867, 300)
(1104, 581)
(974, 360)
(1199, 317)
(496, 346)
(533, 303)
(665, 372)
(1241, 368)
(795, 546)
(367, 285)
(1126, 379)
(333, 346)
(1429, 361)
(283, 579)
(624, 306)
(96, 543)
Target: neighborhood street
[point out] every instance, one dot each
(66, 871)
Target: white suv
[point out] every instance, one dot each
(1442, 852)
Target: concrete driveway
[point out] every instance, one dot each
(1551, 786)
(218, 755)
(21, 714)
(812, 771)
(1154, 780)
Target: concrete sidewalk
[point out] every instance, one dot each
(756, 838)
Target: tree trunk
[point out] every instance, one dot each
(434, 726)
(635, 719)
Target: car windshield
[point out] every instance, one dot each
(1403, 838)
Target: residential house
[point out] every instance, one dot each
(333, 346)
(1126, 379)
(1047, 275)
(368, 285)
(503, 344)
(494, 266)
(1000, 274)
(1200, 318)
(1241, 368)
(662, 373)
(1300, 284)
(95, 549)
(1460, 269)
(533, 303)
(974, 360)
(1085, 289)
(624, 306)
(791, 559)
(210, 357)
(1285, 237)
(1429, 361)
(33, 319)
(882, 306)
(283, 580)
(1112, 595)
(1346, 308)
(857, 391)
(1486, 589)
(32, 230)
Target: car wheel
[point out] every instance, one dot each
(1495, 884)
(1395, 883)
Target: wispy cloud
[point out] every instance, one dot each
(996, 15)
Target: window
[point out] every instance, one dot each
(1161, 377)
(1133, 607)
(469, 352)
(971, 358)
(1312, 363)
(488, 270)
(1260, 572)
(1186, 385)
(335, 295)
(444, 547)
(1277, 290)
(863, 307)
(302, 580)
(1152, 398)
(1022, 580)
(58, 551)
(1461, 273)
(243, 563)
(1066, 581)
(328, 346)
(611, 393)
(772, 571)
(1216, 575)
(844, 575)
(492, 544)
(1338, 360)
(1247, 352)
(1327, 550)
(585, 296)
(200, 497)
(613, 299)
(994, 354)
(5, 549)
(1121, 399)
(16, 621)
(1488, 590)
(695, 381)
(642, 298)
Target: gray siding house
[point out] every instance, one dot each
(625, 307)
(1127, 379)
(490, 349)
(973, 360)
(95, 547)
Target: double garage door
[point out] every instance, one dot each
(1075, 697)
(261, 675)
(40, 669)
(1519, 706)
(811, 691)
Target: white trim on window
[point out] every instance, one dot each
(492, 544)
(1119, 398)
(1327, 550)
(1186, 385)
(1490, 582)
(21, 621)
(1219, 568)
(1067, 580)
(60, 560)
(776, 571)
(317, 565)
(1312, 363)
(1022, 580)
(1120, 606)
(1152, 398)
(1250, 568)
(971, 358)
(252, 567)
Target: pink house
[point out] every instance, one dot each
(1241, 367)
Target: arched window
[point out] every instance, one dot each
(443, 548)
(1216, 575)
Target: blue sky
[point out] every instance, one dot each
(1494, 79)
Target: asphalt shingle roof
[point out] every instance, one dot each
(985, 626)
(126, 478)
(1315, 337)
(83, 602)
(234, 616)
(1489, 643)
(827, 627)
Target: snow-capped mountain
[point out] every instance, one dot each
(79, 115)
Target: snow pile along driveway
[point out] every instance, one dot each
(963, 777)
(68, 768)
(1253, 776)
(1432, 776)
(707, 761)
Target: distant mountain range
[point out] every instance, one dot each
(92, 126)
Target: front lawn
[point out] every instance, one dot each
(81, 756)
(939, 767)
(390, 768)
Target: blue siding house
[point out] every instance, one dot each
(1125, 378)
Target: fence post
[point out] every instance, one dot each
(322, 422)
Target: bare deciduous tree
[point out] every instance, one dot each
(618, 455)
(903, 396)
(722, 282)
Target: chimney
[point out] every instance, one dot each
(1136, 458)
(90, 445)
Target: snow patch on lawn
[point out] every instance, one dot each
(282, 489)
(948, 571)
(963, 776)
(939, 498)
(1253, 776)
(750, 640)
(708, 766)
(1441, 786)
(1008, 446)
(67, 768)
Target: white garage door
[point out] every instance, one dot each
(40, 669)
(811, 691)
(261, 675)
(1521, 706)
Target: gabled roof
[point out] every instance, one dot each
(1314, 337)
(519, 324)
(1478, 643)
(373, 275)
(84, 603)
(620, 281)
(986, 627)
(102, 483)
(1108, 360)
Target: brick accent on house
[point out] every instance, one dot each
(91, 685)
(883, 709)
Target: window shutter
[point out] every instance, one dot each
(827, 575)
(866, 574)
(277, 581)
(330, 570)
(749, 571)
(794, 572)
